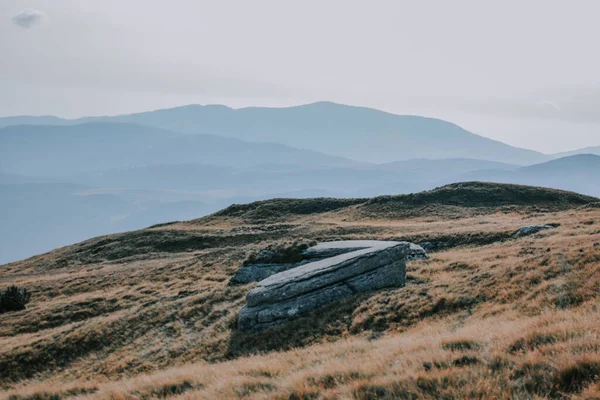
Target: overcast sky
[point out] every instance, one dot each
(524, 72)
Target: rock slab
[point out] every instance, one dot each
(370, 265)
(530, 230)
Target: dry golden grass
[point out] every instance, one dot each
(129, 316)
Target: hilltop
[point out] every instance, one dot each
(471, 197)
(151, 313)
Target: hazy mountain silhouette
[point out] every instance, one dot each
(201, 177)
(32, 120)
(579, 173)
(68, 150)
(359, 133)
(424, 168)
(587, 150)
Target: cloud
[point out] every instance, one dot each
(28, 18)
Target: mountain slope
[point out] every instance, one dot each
(358, 133)
(151, 313)
(586, 164)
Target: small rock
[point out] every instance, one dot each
(530, 230)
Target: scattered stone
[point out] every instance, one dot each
(370, 265)
(530, 230)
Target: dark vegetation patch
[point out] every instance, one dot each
(463, 361)
(397, 390)
(126, 246)
(429, 243)
(163, 224)
(591, 206)
(13, 298)
(461, 345)
(441, 242)
(75, 392)
(300, 395)
(246, 389)
(69, 313)
(277, 209)
(577, 376)
(542, 379)
(474, 195)
(329, 381)
(534, 378)
(167, 390)
(283, 253)
(481, 194)
(537, 339)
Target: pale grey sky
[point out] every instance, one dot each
(524, 72)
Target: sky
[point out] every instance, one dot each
(523, 72)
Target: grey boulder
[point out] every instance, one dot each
(369, 265)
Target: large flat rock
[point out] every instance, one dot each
(366, 266)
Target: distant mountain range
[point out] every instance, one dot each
(357, 133)
(74, 179)
(68, 150)
(578, 173)
(587, 150)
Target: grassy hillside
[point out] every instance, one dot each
(150, 313)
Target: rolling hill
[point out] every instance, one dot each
(152, 314)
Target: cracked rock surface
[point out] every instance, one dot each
(365, 265)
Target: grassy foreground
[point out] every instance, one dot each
(150, 314)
